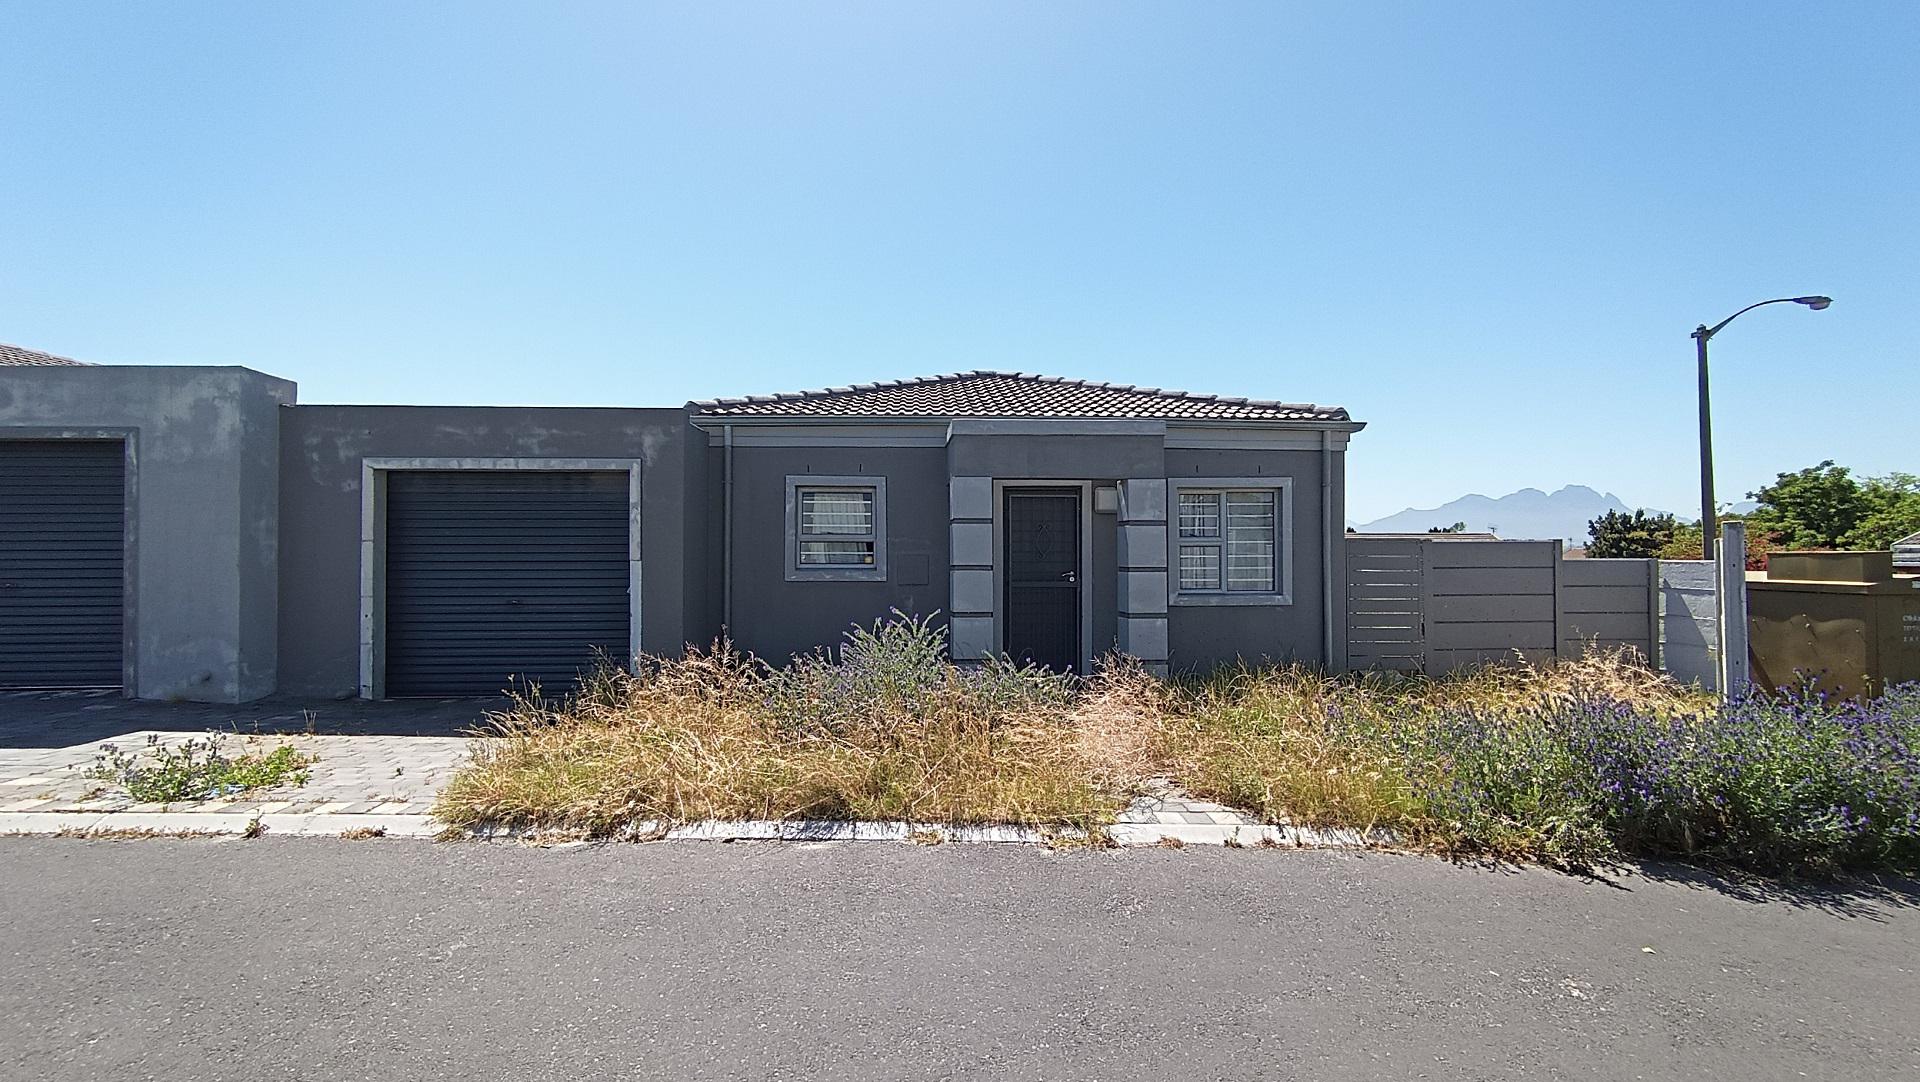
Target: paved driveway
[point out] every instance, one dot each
(325, 959)
(369, 758)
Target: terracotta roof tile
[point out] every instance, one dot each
(1012, 394)
(20, 357)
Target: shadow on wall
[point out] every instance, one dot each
(68, 718)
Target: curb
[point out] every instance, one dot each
(334, 825)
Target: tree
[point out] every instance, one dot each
(1893, 512)
(1617, 535)
(1458, 527)
(1685, 544)
(1814, 508)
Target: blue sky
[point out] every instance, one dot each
(1486, 229)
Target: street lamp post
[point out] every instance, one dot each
(1708, 524)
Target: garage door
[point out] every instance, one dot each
(496, 577)
(62, 562)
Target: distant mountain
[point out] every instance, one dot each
(1528, 514)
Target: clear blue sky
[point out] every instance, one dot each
(1485, 228)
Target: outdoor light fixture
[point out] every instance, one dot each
(1708, 524)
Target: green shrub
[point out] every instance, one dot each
(196, 769)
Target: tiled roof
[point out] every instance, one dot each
(1012, 394)
(18, 357)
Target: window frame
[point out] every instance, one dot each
(1282, 490)
(798, 572)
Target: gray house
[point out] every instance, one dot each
(194, 533)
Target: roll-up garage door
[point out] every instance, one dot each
(62, 562)
(498, 577)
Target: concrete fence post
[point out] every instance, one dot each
(1730, 591)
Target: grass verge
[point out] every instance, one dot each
(888, 730)
(1576, 763)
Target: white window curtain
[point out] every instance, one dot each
(1229, 541)
(836, 527)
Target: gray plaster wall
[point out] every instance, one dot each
(322, 449)
(1201, 637)
(202, 514)
(1094, 449)
(776, 619)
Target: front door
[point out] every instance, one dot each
(1042, 582)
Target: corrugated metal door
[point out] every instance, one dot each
(499, 576)
(62, 562)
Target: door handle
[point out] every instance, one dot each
(1070, 576)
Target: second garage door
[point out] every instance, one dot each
(498, 577)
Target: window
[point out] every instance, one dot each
(836, 528)
(1229, 542)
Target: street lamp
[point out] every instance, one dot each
(1708, 526)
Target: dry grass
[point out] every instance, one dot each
(1282, 742)
(715, 735)
(889, 730)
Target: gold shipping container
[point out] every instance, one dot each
(1842, 619)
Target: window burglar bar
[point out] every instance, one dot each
(836, 527)
(1230, 532)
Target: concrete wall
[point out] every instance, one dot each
(202, 512)
(775, 618)
(321, 452)
(1689, 622)
(1203, 636)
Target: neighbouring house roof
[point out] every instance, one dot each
(1906, 551)
(19, 356)
(1012, 394)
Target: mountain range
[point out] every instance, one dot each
(1527, 514)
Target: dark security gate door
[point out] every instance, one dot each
(1043, 573)
(495, 576)
(62, 562)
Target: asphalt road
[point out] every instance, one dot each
(392, 960)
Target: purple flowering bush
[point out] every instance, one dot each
(1773, 783)
(1576, 773)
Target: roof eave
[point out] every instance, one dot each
(707, 420)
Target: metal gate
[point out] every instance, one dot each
(499, 576)
(62, 563)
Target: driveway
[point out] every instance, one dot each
(61, 719)
(325, 959)
(376, 765)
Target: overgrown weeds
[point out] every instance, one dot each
(196, 769)
(887, 729)
(1575, 763)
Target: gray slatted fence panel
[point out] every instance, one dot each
(1490, 602)
(1608, 603)
(501, 575)
(62, 562)
(1385, 621)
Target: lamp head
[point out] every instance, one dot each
(1815, 303)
